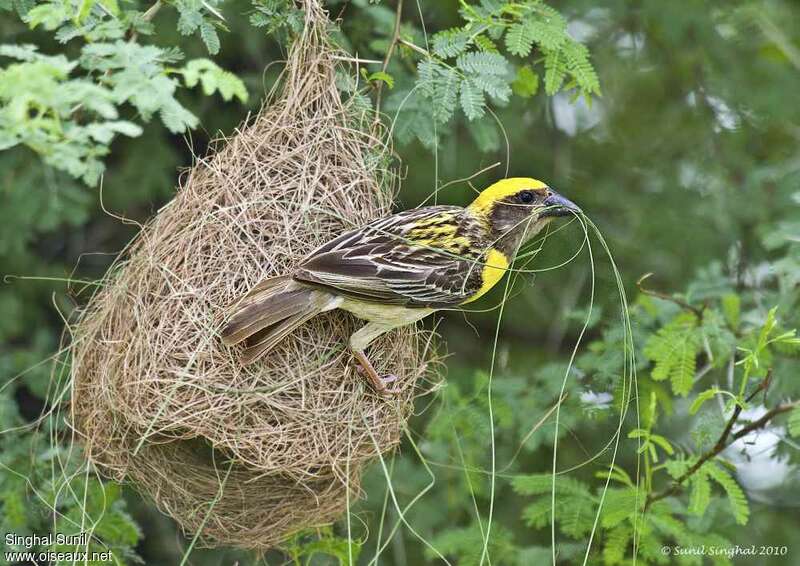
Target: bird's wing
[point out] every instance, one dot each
(426, 257)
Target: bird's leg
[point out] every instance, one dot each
(358, 343)
(378, 382)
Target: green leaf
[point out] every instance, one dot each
(460, 543)
(616, 545)
(674, 349)
(14, 503)
(702, 398)
(794, 422)
(485, 44)
(662, 442)
(550, 33)
(104, 132)
(483, 63)
(519, 39)
(731, 308)
(451, 42)
(638, 433)
(190, 16)
(49, 15)
(445, 93)
(495, 86)
(620, 504)
(209, 36)
(472, 100)
(580, 68)
(700, 494)
(427, 72)
(766, 330)
(737, 498)
(213, 79)
(382, 77)
(440, 84)
(616, 474)
(85, 9)
(23, 52)
(176, 118)
(526, 82)
(555, 71)
(676, 468)
(323, 541)
(535, 484)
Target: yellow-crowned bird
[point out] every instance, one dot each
(397, 270)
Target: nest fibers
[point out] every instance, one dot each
(245, 455)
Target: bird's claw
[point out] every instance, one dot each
(385, 380)
(379, 382)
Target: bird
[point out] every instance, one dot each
(397, 270)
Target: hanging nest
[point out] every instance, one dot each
(246, 455)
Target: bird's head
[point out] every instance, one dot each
(518, 208)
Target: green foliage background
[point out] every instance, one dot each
(675, 126)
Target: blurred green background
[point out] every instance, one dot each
(688, 163)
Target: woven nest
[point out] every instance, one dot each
(246, 455)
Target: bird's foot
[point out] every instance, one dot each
(379, 382)
(385, 380)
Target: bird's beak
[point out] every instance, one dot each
(558, 206)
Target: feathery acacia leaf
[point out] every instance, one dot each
(700, 494)
(483, 63)
(673, 350)
(451, 42)
(535, 484)
(555, 70)
(472, 100)
(209, 36)
(486, 44)
(445, 92)
(616, 545)
(794, 422)
(737, 498)
(214, 79)
(519, 39)
(526, 82)
(551, 34)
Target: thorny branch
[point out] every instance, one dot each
(726, 438)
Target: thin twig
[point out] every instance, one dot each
(413, 47)
(389, 52)
(726, 438)
(151, 11)
(147, 16)
(680, 302)
(359, 60)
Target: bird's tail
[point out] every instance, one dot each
(270, 311)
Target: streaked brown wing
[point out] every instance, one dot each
(417, 258)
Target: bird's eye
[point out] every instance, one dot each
(526, 197)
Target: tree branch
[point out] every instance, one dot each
(659, 295)
(726, 438)
(389, 52)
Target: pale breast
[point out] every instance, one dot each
(390, 315)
